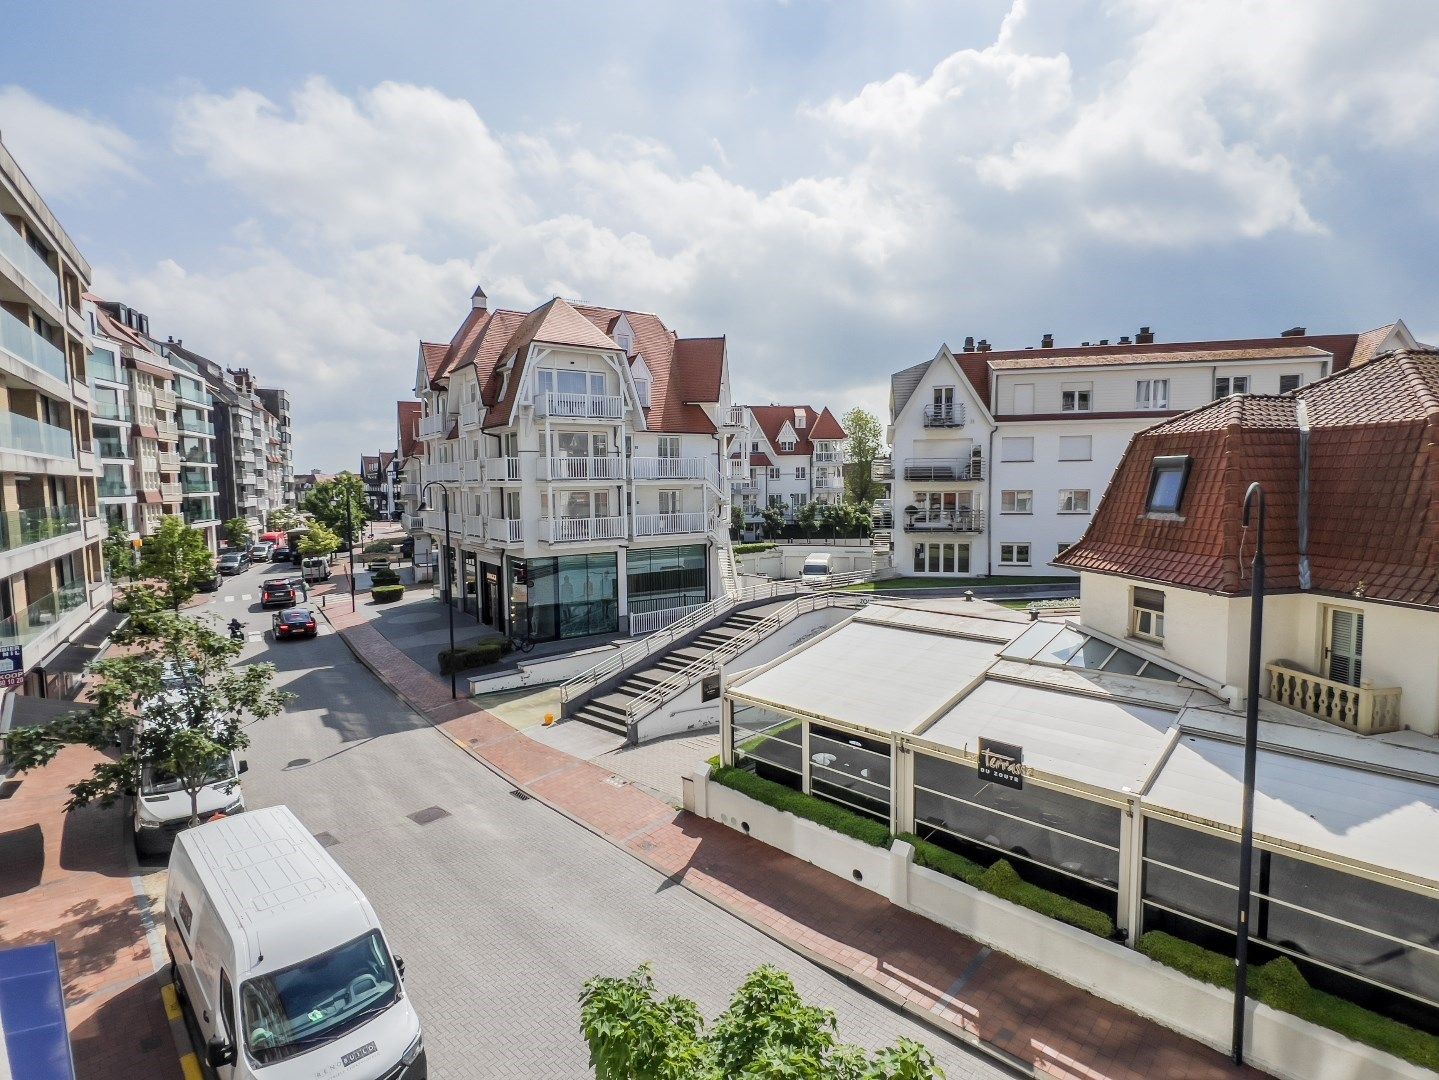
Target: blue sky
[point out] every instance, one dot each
(308, 189)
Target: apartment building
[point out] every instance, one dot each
(580, 448)
(999, 458)
(378, 471)
(788, 455)
(52, 581)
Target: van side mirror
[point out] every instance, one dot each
(400, 966)
(244, 766)
(218, 1052)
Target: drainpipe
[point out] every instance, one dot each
(989, 544)
(1302, 417)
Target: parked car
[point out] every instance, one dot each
(261, 551)
(234, 562)
(281, 554)
(294, 623)
(209, 584)
(280, 959)
(281, 591)
(315, 568)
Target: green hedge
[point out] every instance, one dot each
(472, 656)
(376, 547)
(387, 594)
(1281, 985)
(933, 857)
(857, 826)
(746, 549)
(385, 576)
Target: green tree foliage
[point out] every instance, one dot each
(807, 517)
(736, 519)
(237, 532)
(177, 701)
(319, 541)
(119, 553)
(766, 1032)
(773, 518)
(327, 502)
(283, 519)
(178, 557)
(866, 443)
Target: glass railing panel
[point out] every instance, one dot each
(21, 527)
(25, 626)
(28, 261)
(17, 337)
(34, 436)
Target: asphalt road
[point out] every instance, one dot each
(501, 907)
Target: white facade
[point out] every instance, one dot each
(788, 471)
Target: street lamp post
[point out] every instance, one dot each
(449, 591)
(1255, 496)
(350, 543)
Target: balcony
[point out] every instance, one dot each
(944, 416)
(164, 399)
(446, 472)
(746, 487)
(111, 450)
(582, 468)
(669, 468)
(947, 521)
(25, 626)
(198, 487)
(170, 491)
(735, 417)
(829, 483)
(668, 524)
(828, 457)
(195, 427)
(1362, 709)
(29, 436)
(431, 427)
(169, 460)
(116, 489)
(881, 470)
(469, 414)
(165, 428)
(21, 527)
(143, 398)
(198, 397)
(473, 471)
(506, 530)
(503, 468)
(579, 406)
(29, 262)
(943, 470)
(881, 514)
(18, 339)
(196, 456)
(563, 530)
(118, 411)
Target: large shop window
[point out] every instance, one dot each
(1356, 938)
(770, 743)
(849, 770)
(1059, 841)
(667, 577)
(565, 597)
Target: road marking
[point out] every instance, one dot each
(257, 635)
(172, 1002)
(227, 599)
(190, 1066)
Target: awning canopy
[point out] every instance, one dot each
(85, 646)
(35, 1043)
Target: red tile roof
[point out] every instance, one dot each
(407, 425)
(434, 356)
(761, 461)
(827, 427)
(772, 419)
(1373, 451)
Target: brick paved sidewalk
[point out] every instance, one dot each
(1031, 1020)
(66, 877)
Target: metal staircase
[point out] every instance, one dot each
(881, 519)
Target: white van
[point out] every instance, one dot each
(162, 805)
(817, 569)
(281, 959)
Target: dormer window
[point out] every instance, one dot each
(1167, 481)
(625, 342)
(642, 388)
(786, 447)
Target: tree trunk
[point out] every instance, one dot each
(194, 807)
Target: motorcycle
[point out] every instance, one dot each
(237, 630)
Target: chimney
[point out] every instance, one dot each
(1084, 344)
(1144, 337)
(1104, 341)
(983, 345)
(479, 300)
(969, 344)
(1295, 331)
(1047, 342)
(1124, 340)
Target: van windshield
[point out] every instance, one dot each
(811, 569)
(298, 1008)
(158, 780)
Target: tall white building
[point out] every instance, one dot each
(786, 456)
(999, 459)
(581, 450)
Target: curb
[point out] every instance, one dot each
(855, 981)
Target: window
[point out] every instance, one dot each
(1016, 502)
(799, 419)
(1289, 383)
(1014, 554)
(1016, 449)
(1146, 614)
(1166, 484)
(1074, 501)
(669, 502)
(800, 472)
(941, 558)
(786, 446)
(642, 388)
(1344, 646)
(1064, 545)
(774, 472)
(1151, 394)
(1075, 397)
(1075, 447)
(1225, 385)
(667, 446)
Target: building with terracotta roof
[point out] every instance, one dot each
(789, 455)
(999, 457)
(581, 448)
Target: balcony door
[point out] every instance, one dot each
(1344, 646)
(943, 404)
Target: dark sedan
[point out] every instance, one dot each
(280, 592)
(297, 622)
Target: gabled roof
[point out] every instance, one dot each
(761, 461)
(772, 419)
(827, 427)
(434, 356)
(1373, 483)
(407, 427)
(973, 366)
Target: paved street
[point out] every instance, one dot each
(501, 907)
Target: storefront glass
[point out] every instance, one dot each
(565, 597)
(668, 577)
(769, 743)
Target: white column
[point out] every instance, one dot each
(1131, 869)
(726, 732)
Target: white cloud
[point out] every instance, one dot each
(63, 153)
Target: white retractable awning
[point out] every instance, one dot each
(1325, 807)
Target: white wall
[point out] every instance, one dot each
(785, 562)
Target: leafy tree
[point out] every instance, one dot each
(284, 518)
(866, 443)
(119, 553)
(736, 519)
(326, 504)
(182, 724)
(319, 541)
(766, 1032)
(237, 532)
(773, 518)
(807, 517)
(178, 557)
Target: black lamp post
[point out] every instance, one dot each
(449, 591)
(350, 543)
(1255, 496)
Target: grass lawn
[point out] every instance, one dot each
(905, 583)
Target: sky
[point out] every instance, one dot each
(311, 189)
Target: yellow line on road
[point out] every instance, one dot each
(172, 1003)
(190, 1066)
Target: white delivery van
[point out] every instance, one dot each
(281, 960)
(817, 569)
(162, 805)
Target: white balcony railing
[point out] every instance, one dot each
(579, 406)
(736, 416)
(944, 416)
(506, 530)
(828, 457)
(668, 524)
(1362, 708)
(446, 472)
(473, 471)
(582, 468)
(561, 530)
(829, 483)
(671, 468)
(470, 414)
(432, 426)
(503, 468)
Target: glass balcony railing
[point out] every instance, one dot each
(17, 337)
(194, 426)
(197, 511)
(101, 365)
(25, 626)
(34, 436)
(199, 397)
(198, 487)
(21, 527)
(110, 449)
(111, 410)
(197, 457)
(115, 489)
(28, 261)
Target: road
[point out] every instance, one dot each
(501, 908)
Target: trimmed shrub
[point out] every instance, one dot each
(933, 857)
(379, 547)
(387, 594)
(747, 549)
(466, 657)
(857, 826)
(1281, 985)
(385, 576)
(1004, 881)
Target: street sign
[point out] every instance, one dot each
(1001, 763)
(710, 687)
(12, 665)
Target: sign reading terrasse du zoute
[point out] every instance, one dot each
(1001, 763)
